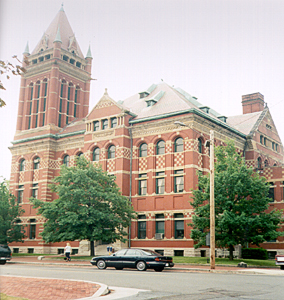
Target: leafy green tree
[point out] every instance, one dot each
(241, 204)
(90, 206)
(11, 229)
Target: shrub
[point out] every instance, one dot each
(254, 253)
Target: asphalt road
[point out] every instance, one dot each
(167, 284)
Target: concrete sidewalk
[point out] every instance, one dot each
(58, 289)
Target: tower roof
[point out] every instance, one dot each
(67, 36)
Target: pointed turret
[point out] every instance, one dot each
(58, 36)
(67, 36)
(89, 54)
(27, 51)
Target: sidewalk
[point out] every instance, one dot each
(55, 289)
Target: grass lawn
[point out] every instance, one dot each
(224, 261)
(6, 297)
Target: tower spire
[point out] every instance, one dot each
(58, 36)
(27, 51)
(89, 54)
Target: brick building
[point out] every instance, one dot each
(153, 142)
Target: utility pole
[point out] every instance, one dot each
(212, 203)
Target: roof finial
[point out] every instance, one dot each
(106, 91)
(27, 51)
(62, 9)
(58, 36)
(89, 54)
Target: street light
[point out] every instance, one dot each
(212, 202)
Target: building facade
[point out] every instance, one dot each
(153, 142)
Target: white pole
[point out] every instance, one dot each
(212, 206)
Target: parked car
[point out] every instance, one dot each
(279, 260)
(5, 254)
(133, 258)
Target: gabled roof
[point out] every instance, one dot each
(59, 27)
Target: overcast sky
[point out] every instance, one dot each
(216, 50)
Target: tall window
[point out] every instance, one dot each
(44, 101)
(37, 102)
(105, 124)
(259, 163)
(179, 144)
(61, 101)
(141, 227)
(20, 194)
(200, 145)
(179, 226)
(111, 152)
(76, 100)
(96, 125)
(66, 160)
(178, 181)
(36, 163)
(261, 139)
(265, 141)
(160, 182)
(142, 189)
(113, 122)
(22, 165)
(69, 98)
(271, 192)
(160, 147)
(160, 223)
(96, 154)
(31, 104)
(143, 150)
(32, 234)
(35, 191)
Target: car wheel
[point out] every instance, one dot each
(141, 266)
(119, 268)
(159, 269)
(2, 262)
(101, 264)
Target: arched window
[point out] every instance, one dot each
(96, 154)
(111, 152)
(259, 163)
(36, 163)
(160, 147)
(66, 160)
(200, 145)
(143, 150)
(80, 154)
(22, 165)
(179, 144)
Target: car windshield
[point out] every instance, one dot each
(150, 253)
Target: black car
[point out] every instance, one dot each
(133, 258)
(5, 254)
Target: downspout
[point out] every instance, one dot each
(130, 178)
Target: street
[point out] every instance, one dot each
(166, 285)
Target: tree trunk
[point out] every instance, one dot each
(231, 249)
(92, 245)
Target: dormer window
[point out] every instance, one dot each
(155, 99)
(143, 95)
(206, 109)
(223, 118)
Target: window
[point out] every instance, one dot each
(111, 152)
(96, 125)
(78, 64)
(20, 194)
(66, 160)
(141, 227)
(200, 145)
(179, 226)
(160, 223)
(266, 163)
(65, 58)
(36, 163)
(160, 148)
(32, 229)
(35, 191)
(265, 141)
(261, 139)
(60, 251)
(113, 122)
(30, 250)
(142, 190)
(273, 146)
(160, 182)
(22, 165)
(259, 163)
(271, 192)
(81, 154)
(179, 144)
(96, 154)
(105, 124)
(143, 150)
(178, 181)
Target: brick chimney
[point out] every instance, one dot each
(252, 103)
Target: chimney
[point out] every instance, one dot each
(252, 103)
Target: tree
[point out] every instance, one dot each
(90, 206)
(11, 229)
(241, 204)
(7, 68)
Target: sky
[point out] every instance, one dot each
(216, 50)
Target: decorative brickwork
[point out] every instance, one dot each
(160, 162)
(142, 164)
(178, 159)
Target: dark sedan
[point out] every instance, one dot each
(133, 258)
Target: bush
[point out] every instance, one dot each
(254, 253)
